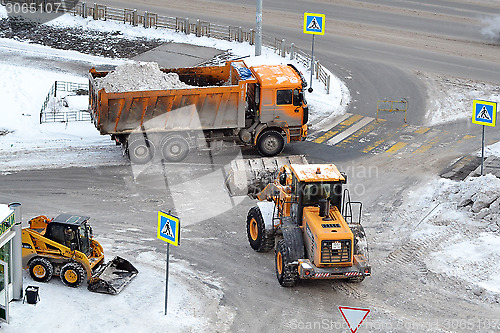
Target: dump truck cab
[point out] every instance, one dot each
(282, 103)
(309, 208)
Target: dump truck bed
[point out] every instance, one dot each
(216, 101)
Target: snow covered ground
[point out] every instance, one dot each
(138, 308)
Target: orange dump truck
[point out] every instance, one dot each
(261, 106)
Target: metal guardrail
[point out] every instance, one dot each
(198, 28)
(48, 116)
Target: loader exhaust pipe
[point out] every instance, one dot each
(324, 208)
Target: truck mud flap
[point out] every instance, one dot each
(112, 277)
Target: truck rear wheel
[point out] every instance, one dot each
(41, 270)
(141, 150)
(175, 149)
(270, 143)
(260, 239)
(72, 274)
(288, 275)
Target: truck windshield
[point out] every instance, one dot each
(84, 238)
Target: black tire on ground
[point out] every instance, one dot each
(288, 275)
(175, 149)
(141, 150)
(260, 239)
(72, 274)
(270, 143)
(41, 270)
(356, 279)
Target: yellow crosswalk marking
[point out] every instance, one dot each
(348, 122)
(428, 145)
(379, 142)
(359, 133)
(422, 130)
(397, 147)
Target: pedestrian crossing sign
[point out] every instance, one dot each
(169, 228)
(484, 112)
(314, 24)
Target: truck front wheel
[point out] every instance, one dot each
(270, 143)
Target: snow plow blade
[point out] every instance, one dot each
(250, 176)
(112, 277)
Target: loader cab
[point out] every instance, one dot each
(312, 186)
(71, 231)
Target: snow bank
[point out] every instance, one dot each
(451, 98)
(467, 220)
(492, 150)
(138, 77)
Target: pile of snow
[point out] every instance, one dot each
(465, 217)
(478, 196)
(140, 76)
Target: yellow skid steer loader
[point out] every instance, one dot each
(64, 246)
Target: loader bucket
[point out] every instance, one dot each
(112, 277)
(250, 176)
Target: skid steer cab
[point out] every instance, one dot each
(307, 209)
(64, 246)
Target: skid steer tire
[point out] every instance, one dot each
(270, 143)
(288, 275)
(41, 270)
(72, 274)
(260, 239)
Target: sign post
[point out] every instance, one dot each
(314, 24)
(169, 230)
(484, 113)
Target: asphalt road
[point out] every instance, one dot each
(376, 46)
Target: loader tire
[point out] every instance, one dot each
(72, 274)
(288, 275)
(141, 150)
(260, 239)
(270, 143)
(41, 270)
(175, 149)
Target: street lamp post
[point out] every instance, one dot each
(258, 21)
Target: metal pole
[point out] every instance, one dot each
(312, 66)
(17, 264)
(258, 28)
(482, 154)
(166, 279)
